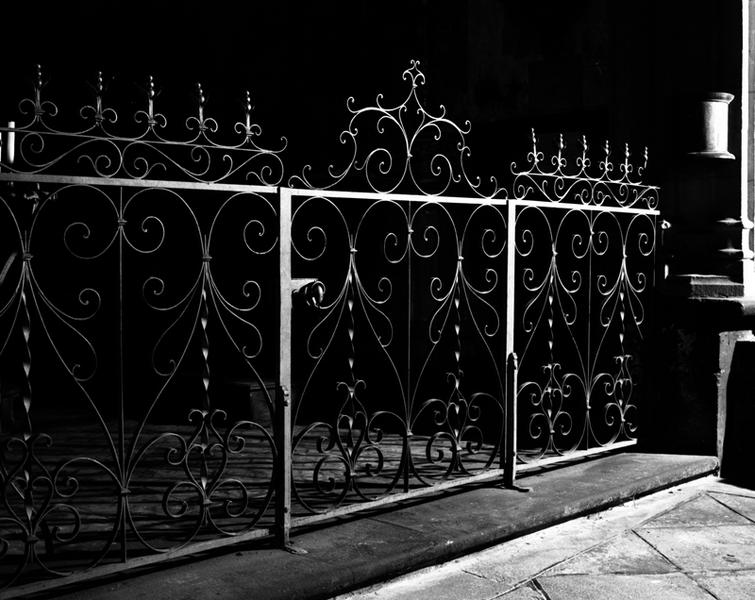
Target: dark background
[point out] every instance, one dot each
(625, 71)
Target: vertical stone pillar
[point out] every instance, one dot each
(711, 239)
(707, 303)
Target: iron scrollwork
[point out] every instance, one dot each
(134, 447)
(419, 326)
(411, 149)
(141, 149)
(584, 276)
(397, 351)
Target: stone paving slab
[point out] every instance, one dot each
(359, 551)
(724, 547)
(523, 593)
(672, 586)
(703, 511)
(744, 505)
(729, 586)
(462, 586)
(624, 554)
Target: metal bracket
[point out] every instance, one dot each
(517, 488)
(292, 549)
(309, 290)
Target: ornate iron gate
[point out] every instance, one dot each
(214, 357)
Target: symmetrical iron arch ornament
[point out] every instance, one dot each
(427, 155)
(98, 148)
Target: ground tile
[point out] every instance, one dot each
(705, 548)
(439, 585)
(627, 553)
(702, 510)
(521, 559)
(721, 485)
(744, 505)
(730, 586)
(523, 593)
(672, 586)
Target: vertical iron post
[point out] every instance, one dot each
(510, 408)
(283, 397)
(122, 385)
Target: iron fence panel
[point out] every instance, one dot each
(191, 355)
(140, 319)
(584, 278)
(397, 371)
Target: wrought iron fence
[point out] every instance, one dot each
(192, 354)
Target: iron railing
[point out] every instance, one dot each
(216, 357)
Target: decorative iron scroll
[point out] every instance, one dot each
(413, 150)
(137, 308)
(106, 465)
(583, 185)
(400, 386)
(100, 151)
(583, 284)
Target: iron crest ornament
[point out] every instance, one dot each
(583, 185)
(102, 148)
(411, 149)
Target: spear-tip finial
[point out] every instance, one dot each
(200, 95)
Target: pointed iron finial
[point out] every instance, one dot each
(584, 161)
(99, 87)
(248, 113)
(561, 147)
(534, 147)
(248, 103)
(38, 112)
(201, 100)
(151, 102)
(645, 159)
(200, 95)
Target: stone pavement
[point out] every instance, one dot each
(363, 549)
(695, 541)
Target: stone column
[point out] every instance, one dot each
(707, 301)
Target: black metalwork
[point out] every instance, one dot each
(584, 274)
(141, 150)
(144, 298)
(403, 385)
(583, 185)
(405, 148)
(137, 313)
